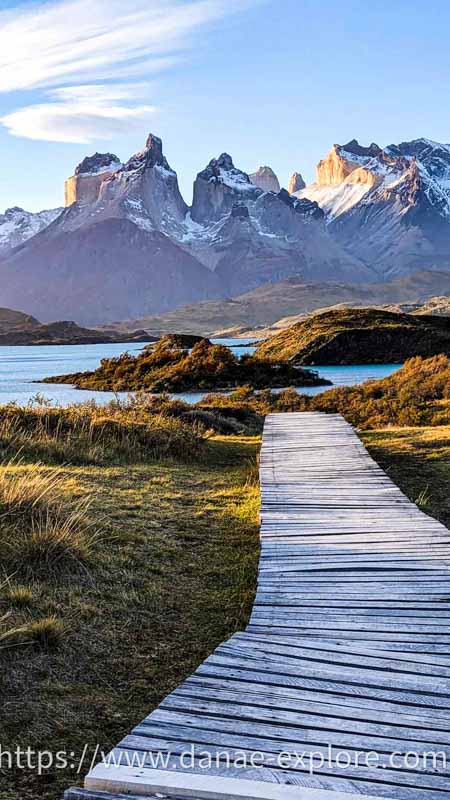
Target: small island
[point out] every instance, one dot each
(169, 366)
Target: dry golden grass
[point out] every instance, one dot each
(85, 656)
(18, 596)
(86, 433)
(40, 527)
(45, 633)
(418, 460)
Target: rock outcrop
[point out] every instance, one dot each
(343, 160)
(217, 188)
(264, 178)
(296, 183)
(84, 186)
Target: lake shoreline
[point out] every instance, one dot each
(21, 369)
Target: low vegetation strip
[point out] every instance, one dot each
(169, 367)
(417, 394)
(359, 336)
(91, 434)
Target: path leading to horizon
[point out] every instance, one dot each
(344, 667)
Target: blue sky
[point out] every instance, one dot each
(270, 82)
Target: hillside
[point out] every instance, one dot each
(436, 306)
(359, 336)
(245, 313)
(11, 320)
(170, 368)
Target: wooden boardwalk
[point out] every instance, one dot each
(347, 651)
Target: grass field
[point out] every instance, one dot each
(418, 460)
(93, 636)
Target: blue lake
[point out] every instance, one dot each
(21, 366)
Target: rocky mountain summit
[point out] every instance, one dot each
(296, 183)
(390, 206)
(264, 178)
(84, 185)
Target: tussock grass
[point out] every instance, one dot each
(55, 542)
(39, 526)
(18, 596)
(87, 433)
(28, 492)
(46, 633)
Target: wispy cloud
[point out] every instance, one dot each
(50, 46)
(80, 114)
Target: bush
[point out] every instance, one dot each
(418, 394)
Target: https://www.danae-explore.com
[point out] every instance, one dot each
(194, 758)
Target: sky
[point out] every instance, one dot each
(273, 82)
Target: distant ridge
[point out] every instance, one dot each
(268, 304)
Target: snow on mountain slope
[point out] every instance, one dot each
(18, 225)
(390, 207)
(334, 199)
(248, 236)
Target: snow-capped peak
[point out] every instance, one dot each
(18, 225)
(351, 174)
(98, 164)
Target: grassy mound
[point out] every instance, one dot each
(167, 367)
(359, 336)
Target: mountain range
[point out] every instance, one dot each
(126, 245)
